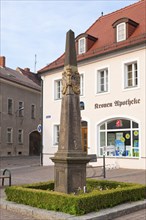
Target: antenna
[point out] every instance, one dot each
(35, 62)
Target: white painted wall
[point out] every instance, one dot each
(137, 112)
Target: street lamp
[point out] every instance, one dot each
(19, 109)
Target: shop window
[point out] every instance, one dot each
(118, 124)
(58, 89)
(131, 75)
(119, 138)
(56, 134)
(102, 80)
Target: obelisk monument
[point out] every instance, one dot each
(70, 160)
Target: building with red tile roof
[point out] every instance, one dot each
(103, 32)
(111, 59)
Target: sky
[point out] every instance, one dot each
(33, 32)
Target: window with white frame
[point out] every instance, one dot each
(10, 106)
(102, 80)
(9, 135)
(131, 75)
(20, 136)
(121, 32)
(81, 84)
(56, 134)
(119, 138)
(21, 109)
(58, 89)
(82, 46)
(33, 107)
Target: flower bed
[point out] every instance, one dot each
(100, 194)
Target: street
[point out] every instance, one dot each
(28, 170)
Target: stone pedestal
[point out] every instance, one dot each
(70, 174)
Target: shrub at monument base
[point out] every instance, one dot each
(100, 194)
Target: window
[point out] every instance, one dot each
(81, 84)
(102, 81)
(9, 135)
(32, 111)
(121, 32)
(20, 136)
(21, 109)
(131, 75)
(58, 89)
(10, 106)
(56, 134)
(119, 138)
(82, 46)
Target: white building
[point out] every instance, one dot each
(111, 58)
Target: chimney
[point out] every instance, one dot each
(2, 61)
(27, 69)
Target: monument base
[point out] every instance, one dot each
(70, 174)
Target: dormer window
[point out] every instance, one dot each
(121, 32)
(82, 46)
(124, 28)
(84, 42)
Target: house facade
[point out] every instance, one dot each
(111, 57)
(20, 95)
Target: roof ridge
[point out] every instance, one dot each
(117, 11)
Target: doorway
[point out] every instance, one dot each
(34, 143)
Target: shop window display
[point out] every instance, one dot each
(119, 138)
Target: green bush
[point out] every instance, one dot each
(100, 194)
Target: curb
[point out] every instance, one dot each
(106, 214)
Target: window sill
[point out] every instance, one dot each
(55, 145)
(130, 88)
(102, 93)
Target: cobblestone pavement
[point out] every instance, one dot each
(18, 162)
(139, 215)
(10, 215)
(28, 170)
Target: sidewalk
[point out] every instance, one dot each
(28, 172)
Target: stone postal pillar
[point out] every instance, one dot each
(70, 160)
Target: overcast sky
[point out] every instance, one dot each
(30, 27)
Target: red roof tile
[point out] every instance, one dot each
(103, 30)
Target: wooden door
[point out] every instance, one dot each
(84, 139)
